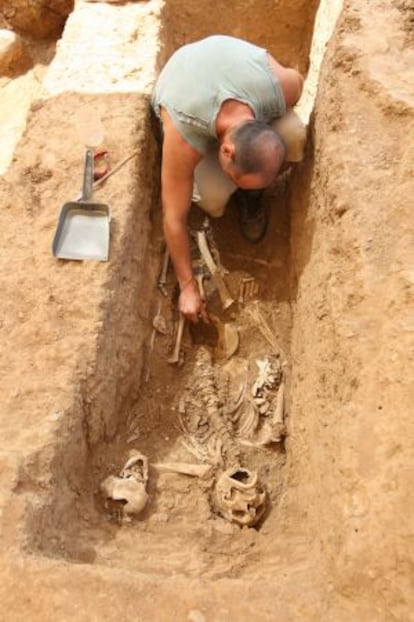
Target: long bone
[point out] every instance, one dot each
(162, 281)
(175, 357)
(203, 471)
(226, 299)
(199, 272)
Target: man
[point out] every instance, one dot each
(216, 98)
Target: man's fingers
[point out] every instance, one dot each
(192, 317)
(204, 315)
(192, 307)
(199, 315)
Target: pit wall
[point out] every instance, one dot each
(349, 463)
(284, 28)
(74, 333)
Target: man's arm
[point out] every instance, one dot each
(178, 162)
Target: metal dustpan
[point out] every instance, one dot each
(83, 227)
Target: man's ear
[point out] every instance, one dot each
(228, 150)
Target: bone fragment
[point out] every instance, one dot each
(226, 299)
(248, 421)
(175, 357)
(160, 325)
(162, 281)
(194, 448)
(279, 406)
(247, 288)
(203, 471)
(136, 466)
(152, 339)
(274, 431)
(199, 277)
(233, 408)
(134, 437)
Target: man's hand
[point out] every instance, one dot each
(190, 303)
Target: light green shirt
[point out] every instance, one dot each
(199, 77)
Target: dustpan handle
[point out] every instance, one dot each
(87, 176)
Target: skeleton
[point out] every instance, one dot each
(239, 496)
(201, 415)
(129, 488)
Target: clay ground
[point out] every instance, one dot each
(85, 379)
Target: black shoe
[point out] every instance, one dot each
(253, 214)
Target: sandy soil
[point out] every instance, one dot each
(85, 378)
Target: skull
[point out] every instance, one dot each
(129, 488)
(240, 497)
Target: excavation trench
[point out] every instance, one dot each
(131, 398)
(180, 531)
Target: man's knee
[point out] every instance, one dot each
(293, 132)
(212, 188)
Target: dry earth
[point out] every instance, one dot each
(83, 381)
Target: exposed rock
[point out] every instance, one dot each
(37, 18)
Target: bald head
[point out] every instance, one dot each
(258, 149)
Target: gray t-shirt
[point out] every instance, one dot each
(199, 77)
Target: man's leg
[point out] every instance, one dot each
(293, 132)
(212, 188)
(253, 211)
(253, 214)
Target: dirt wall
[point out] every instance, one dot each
(73, 332)
(284, 28)
(349, 451)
